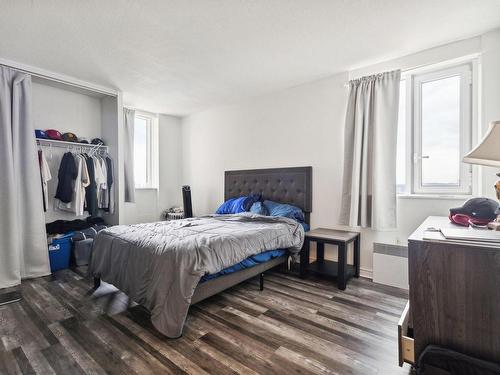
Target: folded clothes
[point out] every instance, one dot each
(64, 226)
(95, 220)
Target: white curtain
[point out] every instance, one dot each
(23, 242)
(128, 121)
(370, 139)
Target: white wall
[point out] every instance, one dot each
(304, 126)
(111, 120)
(490, 97)
(430, 56)
(151, 202)
(300, 126)
(66, 111)
(170, 154)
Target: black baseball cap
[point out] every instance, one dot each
(97, 141)
(478, 208)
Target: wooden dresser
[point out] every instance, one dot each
(454, 296)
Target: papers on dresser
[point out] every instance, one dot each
(480, 237)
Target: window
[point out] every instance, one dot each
(434, 132)
(145, 151)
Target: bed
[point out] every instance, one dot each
(161, 265)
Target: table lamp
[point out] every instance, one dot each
(487, 152)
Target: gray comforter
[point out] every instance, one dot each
(160, 264)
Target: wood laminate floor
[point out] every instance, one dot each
(293, 327)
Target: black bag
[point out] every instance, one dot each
(435, 360)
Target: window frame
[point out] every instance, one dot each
(467, 69)
(151, 150)
(408, 138)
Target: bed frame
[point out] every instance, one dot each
(284, 185)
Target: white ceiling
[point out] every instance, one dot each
(182, 56)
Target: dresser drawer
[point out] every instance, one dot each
(406, 345)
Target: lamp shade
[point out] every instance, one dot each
(487, 152)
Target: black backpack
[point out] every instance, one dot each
(436, 360)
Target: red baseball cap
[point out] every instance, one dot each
(54, 134)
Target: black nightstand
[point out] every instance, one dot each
(340, 269)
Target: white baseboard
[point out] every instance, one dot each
(364, 272)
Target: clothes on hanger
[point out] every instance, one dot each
(81, 188)
(66, 176)
(84, 183)
(45, 177)
(103, 188)
(111, 195)
(81, 182)
(100, 179)
(91, 189)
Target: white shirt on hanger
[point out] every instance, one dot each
(84, 182)
(99, 177)
(103, 198)
(46, 177)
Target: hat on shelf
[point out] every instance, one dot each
(70, 137)
(97, 141)
(54, 134)
(83, 140)
(40, 134)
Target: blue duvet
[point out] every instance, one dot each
(247, 263)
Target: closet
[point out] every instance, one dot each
(88, 114)
(34, 98)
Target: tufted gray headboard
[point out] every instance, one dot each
(284, 185)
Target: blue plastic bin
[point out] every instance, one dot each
(60, 252)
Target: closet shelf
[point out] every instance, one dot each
(65, 144)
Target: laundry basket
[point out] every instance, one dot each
(60, 252)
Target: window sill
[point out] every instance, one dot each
(146, 188)
(435, 196)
